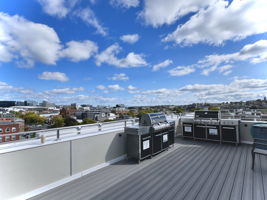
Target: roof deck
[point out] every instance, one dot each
(189, 170)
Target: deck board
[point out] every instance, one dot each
(190, 170)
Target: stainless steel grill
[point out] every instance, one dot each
(208, 125)
(154, 135)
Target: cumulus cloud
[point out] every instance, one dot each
(61, 8)
(223, 63)
(237, 90)
(181, 70)
(115, 87)
(58, 8)
(55, 76)
(26, 42)
(101, 87)
(109, 56)
(64, 90)
(163, 64)
(130, 38)
(120, 76)
(252, 53)
(130, 87)
(77, 51)
(9, 90)
(226, 21)
(125, 3)
(88, 16)
(226, 69)
(158, 12)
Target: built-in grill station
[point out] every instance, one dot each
(153, 135)
(208, 125)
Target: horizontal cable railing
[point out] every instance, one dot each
(63, 132)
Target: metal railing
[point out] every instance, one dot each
(63, 132)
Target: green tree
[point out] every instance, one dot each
(214, 108)
(88, 121)
(32, 118)
(70, 121)
(132, 114)
(57, 121)
(108, 120)
(141, 112)
(179, 110)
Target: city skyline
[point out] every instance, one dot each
(133, 52)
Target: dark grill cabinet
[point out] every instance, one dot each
(199, 131)
(139, 143)
(154, 135)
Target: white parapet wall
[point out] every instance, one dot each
(34, 169)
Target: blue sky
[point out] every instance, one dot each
(136, 52)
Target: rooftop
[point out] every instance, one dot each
(189, 170)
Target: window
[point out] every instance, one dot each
(7, 129)
(1, 130)
(14, 129)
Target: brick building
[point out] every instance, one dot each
(9, 128)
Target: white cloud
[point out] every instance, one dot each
(222, 21)
(130, 87)
(109, 56)
(253, 53)
(56, 76)
(130, 38)
(237, 90)
(125, 3)
(77, 51)
(163, 64)
(223, 63)
(158, 12)
(5, 88)
(61, 8)
(27, 42)
(207, 71)
(88, 16)
(226, 69)
(120, 76)
(58, 8)
(181, 70)
(227, 72)
(64, 90)
(101, 87)
(115, 87)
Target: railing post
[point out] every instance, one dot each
(99, 127)
(125, 123)
(58, 134)
(42, 139)
(79, 130)
(133, 121)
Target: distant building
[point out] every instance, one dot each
(47, 104)
(67, 111)
(74, 106)
(11, 118)
(6, 117)
(98, 114)
(7, 103)
(9, 128)
(30, 103)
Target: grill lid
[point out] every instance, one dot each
(152, 119)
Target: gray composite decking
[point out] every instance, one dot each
(189, 170)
